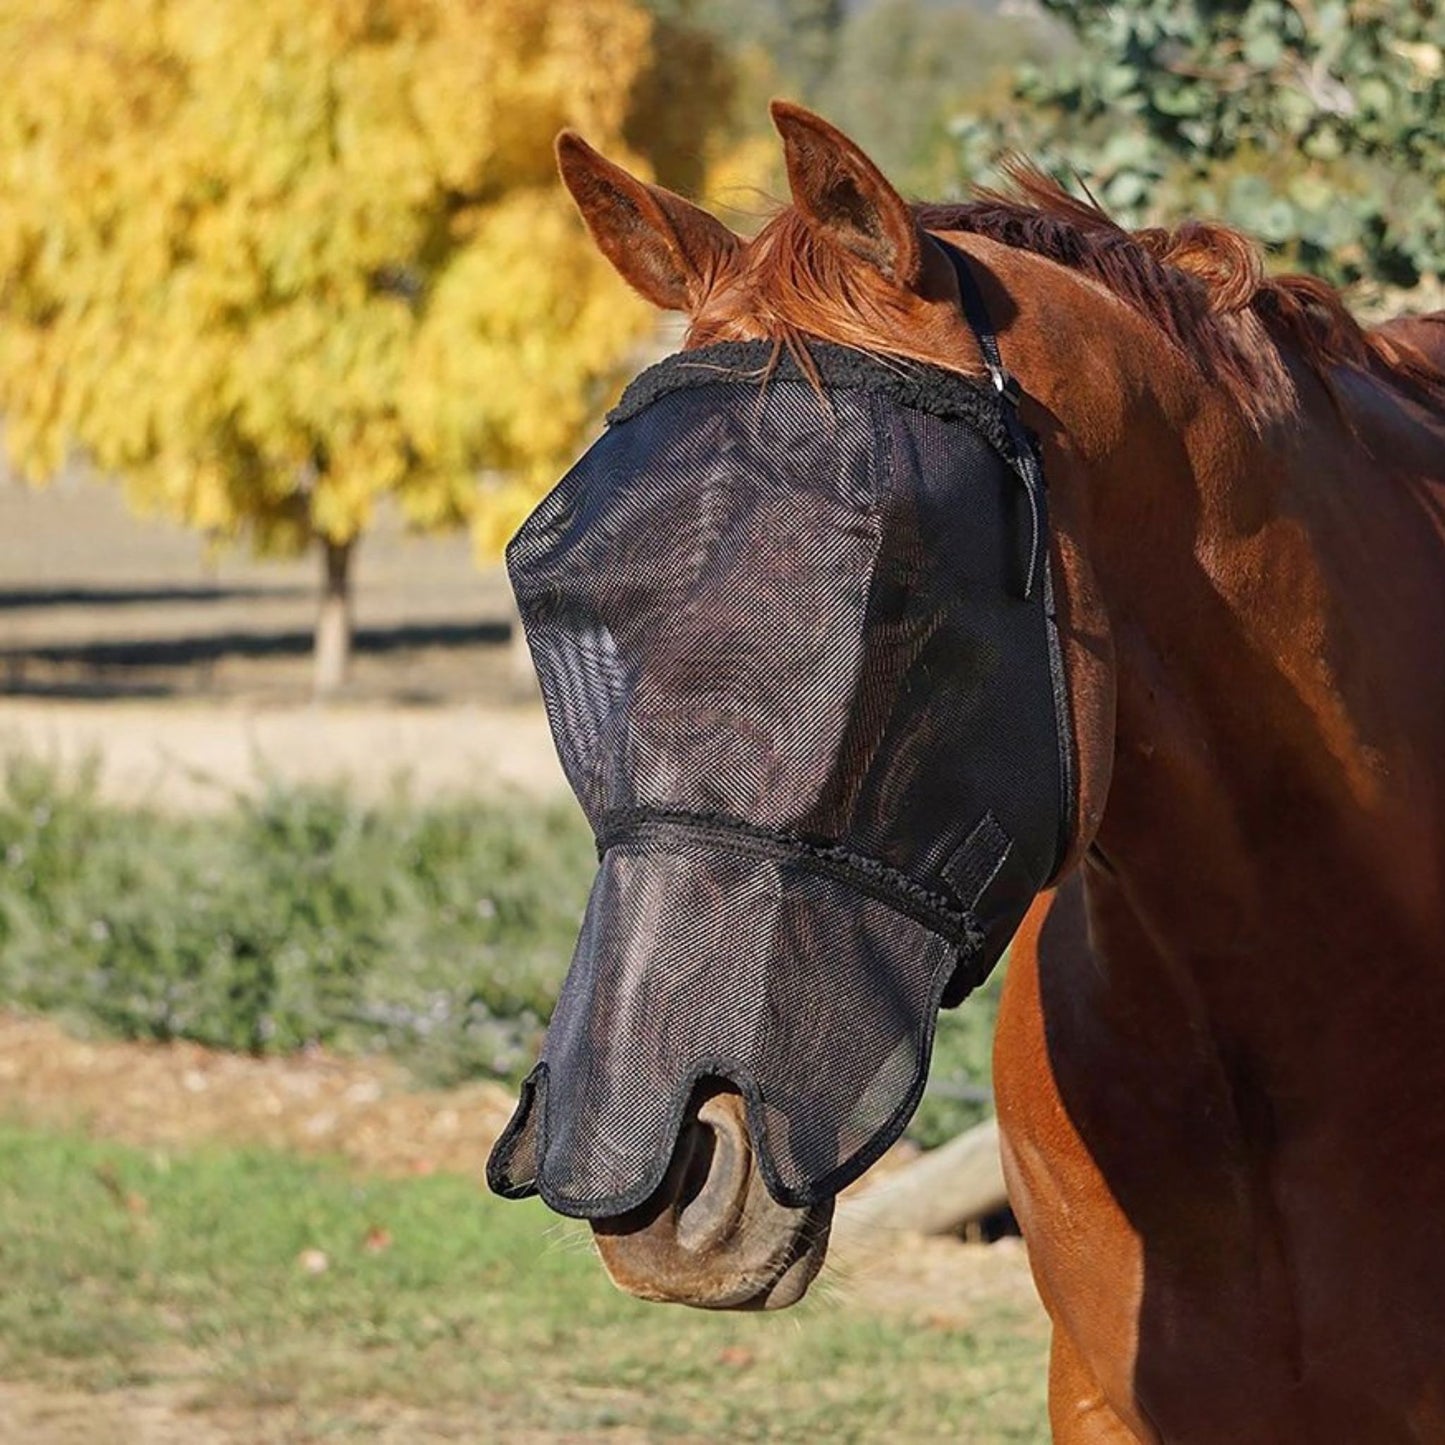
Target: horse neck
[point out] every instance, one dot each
(1268, 748)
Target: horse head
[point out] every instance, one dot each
(796, 629)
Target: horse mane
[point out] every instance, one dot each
(1202, 283)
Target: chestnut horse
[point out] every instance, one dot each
(1220, 1059)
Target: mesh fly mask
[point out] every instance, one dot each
(798, 654)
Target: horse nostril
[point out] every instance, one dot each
(701, 1146)
(714, 1185)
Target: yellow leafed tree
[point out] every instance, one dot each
(268, 261)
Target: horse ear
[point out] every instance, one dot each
(841, 191)
(665, 247)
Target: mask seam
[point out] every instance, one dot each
(867, 874)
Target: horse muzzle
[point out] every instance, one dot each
(712, 1236)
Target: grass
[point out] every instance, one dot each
(118, 1263)
(436, 933)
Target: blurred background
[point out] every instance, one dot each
(296, 324)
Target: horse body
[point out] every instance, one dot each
(1221, 1053)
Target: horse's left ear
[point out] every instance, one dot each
(841, 191)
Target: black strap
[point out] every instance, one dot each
(1026, 457)
(1030, 468)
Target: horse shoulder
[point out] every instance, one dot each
(1147, 1206)
(1078, 1238)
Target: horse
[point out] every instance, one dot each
(1220, 1054)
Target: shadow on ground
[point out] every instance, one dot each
(97, 604)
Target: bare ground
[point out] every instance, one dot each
(199, 754)
(187, 673)
(174, 1411)
(97, 604)
(179, 1093)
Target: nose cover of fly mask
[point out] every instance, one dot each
(783, 640)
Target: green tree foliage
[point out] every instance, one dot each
(903, 68)
(892, 73)
(1317, 125)
(272, 262)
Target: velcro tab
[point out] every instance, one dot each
(976, 861)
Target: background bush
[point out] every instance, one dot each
(438, 933)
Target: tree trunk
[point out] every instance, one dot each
(938, 1193)
(333, 621)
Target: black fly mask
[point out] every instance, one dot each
(795, 641)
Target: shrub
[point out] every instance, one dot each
(438, 933)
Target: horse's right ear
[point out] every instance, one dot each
(665, 247)
(846, 196)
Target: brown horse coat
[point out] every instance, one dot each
(1220, 1063)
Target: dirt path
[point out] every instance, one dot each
(199, 755)
(175, 1412)
(176, 1094)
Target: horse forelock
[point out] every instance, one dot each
(1203, 284)
(792, 283)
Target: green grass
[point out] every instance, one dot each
(437, 933)
(118, 1262)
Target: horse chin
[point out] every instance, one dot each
(809, 1252)
(711, 1236)
(771, 1270)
